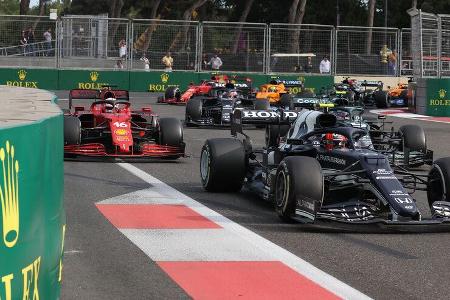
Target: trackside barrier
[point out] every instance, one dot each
(32, 222)
(438, 97)
(135, 81)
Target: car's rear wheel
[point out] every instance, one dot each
(413, 138)
(381, 99)
(193, 110)
(298, 179)
(439, 181)
(170, 132)
(222, 165)
(72, 130)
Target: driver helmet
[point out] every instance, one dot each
(233, 94)
(108, 106)
(272, 89)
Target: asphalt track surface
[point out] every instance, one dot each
(101, 263)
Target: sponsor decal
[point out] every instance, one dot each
(382, 172)
(398, 193)
(385, 177)
(121, 132)
(122, 138)
(22, 75)
(403, 200)
(267, 114)
(331, 159)
(10, 203)
(93, 76)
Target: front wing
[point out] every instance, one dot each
(146, 151)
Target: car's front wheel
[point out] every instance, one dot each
(222, 165)
(299, 184)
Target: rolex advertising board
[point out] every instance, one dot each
(92, 79)
(32, 222)
(438, 97)
(30, 78)
(158, 81)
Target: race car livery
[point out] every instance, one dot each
(109, 128)
(318, 170)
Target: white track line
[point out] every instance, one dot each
(301, 266)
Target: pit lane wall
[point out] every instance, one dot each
(135, 81)
(32, 222)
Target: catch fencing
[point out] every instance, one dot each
(291, 45)
(153, 39)
(87, 42)
(22, 41)
(99, 42)
(366, 51)
(240, 46)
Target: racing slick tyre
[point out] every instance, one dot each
(72, 130)
(439, 181)
(172, 92)
(193, 110)
(262, 104)
(222, 165)
(413, 138)
(298, 178)
(273, 132)
(170, 132)
(381, 99)
(286, 101)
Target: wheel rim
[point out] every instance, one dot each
(280, 189)
(204, 165)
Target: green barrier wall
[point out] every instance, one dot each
(32, 78)
(438, 97)
(86, 79)
(141, 81)
(32, 221)
(135, 81)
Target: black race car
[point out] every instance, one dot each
(217, 107)
(322, 170)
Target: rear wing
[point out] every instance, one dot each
(77, 94)
(260, 117)
(288, 82)
(372, 83)
(311, 103)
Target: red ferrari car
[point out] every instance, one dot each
(173, 95)
(110, 128)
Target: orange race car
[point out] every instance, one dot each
(279, 92)
(399, 95)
